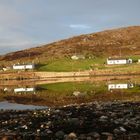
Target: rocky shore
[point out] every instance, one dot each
(92, 121)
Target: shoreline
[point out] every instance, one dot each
(43, 75)
(110, 120)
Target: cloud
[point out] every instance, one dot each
(79, 26)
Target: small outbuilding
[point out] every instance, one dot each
(76, 57)
(119, 61)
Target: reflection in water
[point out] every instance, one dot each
(31, 89)
(72, 92)
(120, 86)
(79, 94)
(20, 90)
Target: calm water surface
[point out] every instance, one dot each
(14, 106)
(36, 95)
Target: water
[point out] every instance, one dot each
(13, 106)
(68, 91)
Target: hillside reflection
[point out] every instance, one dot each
(57, 92)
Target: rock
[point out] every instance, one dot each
(116, 131)
(94, 135)
(73, 121)
(122, 129)
(96, 118)
(49, 132)
(7, 138)
(57, 111)
(110, 138)
(59, 134)
(135, 136)
(82, 137)
(89, 138)
(71, 136)
(103, 117)
(79, 94)
(108, 135)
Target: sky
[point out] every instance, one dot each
(31, 23)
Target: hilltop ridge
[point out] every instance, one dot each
(106, 43)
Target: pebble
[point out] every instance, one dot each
(71, 136)
(59, 134)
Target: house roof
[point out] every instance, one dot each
(118, 58)
(22, 64)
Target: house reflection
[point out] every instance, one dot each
(120, 86)
(20, 90)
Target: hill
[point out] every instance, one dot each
(116, 42)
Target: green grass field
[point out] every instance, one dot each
(67, 65)
(72, 86)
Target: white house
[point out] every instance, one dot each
(23, 66)
(114, 61)
(16, 90)
(120, 86)
(76, 57)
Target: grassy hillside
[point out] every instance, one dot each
(122, 41)
(67, 64)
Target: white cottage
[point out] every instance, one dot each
(120, 86)
(23, 66)
(114, 61)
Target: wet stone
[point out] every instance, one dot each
(107, 135)
(82, 137)
(71, 136)
(122, 129)
(59, 134)
(94, 135)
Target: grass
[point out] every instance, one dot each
(135, 89)
(135, 58)
(62, 93)
(72, 86)
(67, 64)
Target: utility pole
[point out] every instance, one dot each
(120, 52)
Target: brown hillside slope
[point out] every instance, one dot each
(107, 43)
